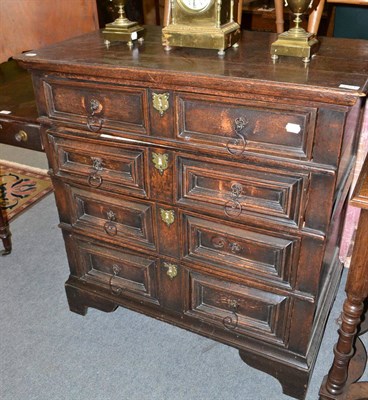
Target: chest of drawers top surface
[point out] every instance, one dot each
(248, 68)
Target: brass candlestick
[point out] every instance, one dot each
(296, 42)
(122, 29)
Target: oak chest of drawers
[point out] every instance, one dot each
(206, 192)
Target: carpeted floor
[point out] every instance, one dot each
(49, 353)
(21, 186)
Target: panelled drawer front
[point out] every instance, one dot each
(241, 126)
(20, 134)
(120, 220)
(246, 252)
(117, 271)
(239, 309)
(235, 192)
(97, 106)
(119, 169)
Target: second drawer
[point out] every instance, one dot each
(238, 192)
(99, 165)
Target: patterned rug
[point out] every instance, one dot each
(21, 187)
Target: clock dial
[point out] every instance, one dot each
(195, 5)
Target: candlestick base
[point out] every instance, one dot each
(295, 43)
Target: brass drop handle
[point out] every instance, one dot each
(236, 146)
(110, 226)
(94, 122)
(233, 208)
(21, 136)
(94, 179)
(172, 270)
(231, 322)
(115, 270)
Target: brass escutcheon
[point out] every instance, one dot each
(160, 102)
(172, 270)
(160, 161)
(168, 216)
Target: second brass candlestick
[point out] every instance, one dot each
(296, 42)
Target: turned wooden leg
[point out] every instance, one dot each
(5, 235)
(337, 384)
(344, 348)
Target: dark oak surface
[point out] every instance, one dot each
(206, 192)
(248, 68)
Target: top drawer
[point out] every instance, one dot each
(241, 126)
(97, 106)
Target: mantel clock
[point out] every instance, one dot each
(206, 24)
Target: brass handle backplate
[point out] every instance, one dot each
(222, 243)
(95, 106)
(94, 124)
(97, 163)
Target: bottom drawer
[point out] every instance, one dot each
(116, 270)
(239, 308)
(20, 134)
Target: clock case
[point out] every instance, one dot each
(216, 27)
